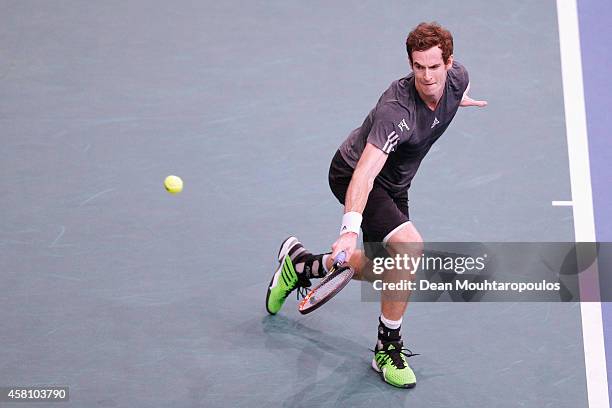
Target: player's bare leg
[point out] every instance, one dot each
(405, 241)
(390, 356)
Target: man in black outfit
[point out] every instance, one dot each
(370, 175)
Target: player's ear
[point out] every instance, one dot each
(450, 62)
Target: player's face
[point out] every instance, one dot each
(430, 72)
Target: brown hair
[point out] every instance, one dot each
(427, 35)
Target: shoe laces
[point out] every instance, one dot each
(303, 284)
(395, 350)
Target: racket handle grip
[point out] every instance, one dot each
(340, 258)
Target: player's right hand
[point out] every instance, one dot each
(346, 242)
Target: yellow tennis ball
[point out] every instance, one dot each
(173, 184)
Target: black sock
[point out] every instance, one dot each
(311, 266)
(387, 335)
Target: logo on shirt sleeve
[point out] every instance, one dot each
(403, 125)
(392, 140)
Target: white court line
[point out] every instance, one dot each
(580, 179)
(562, 203)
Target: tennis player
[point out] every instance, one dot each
(370, 175)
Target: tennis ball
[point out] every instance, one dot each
(173, 184)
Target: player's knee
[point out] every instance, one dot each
(405, 240)
(410, 248)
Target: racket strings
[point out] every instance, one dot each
(329, 286)
(333, 282)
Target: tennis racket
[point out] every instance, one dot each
(339, 275)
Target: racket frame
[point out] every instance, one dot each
(335, 270)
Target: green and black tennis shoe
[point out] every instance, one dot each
(392, 364)
(285, 279)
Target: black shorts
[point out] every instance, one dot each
(384, 211)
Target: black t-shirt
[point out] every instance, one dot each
(402, 126)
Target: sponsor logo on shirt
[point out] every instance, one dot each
(403, 125)
(435, 122)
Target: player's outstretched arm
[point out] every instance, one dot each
(370, 163)
(467, 101)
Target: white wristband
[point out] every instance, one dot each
(351, 222)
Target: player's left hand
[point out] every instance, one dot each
(467, 101)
